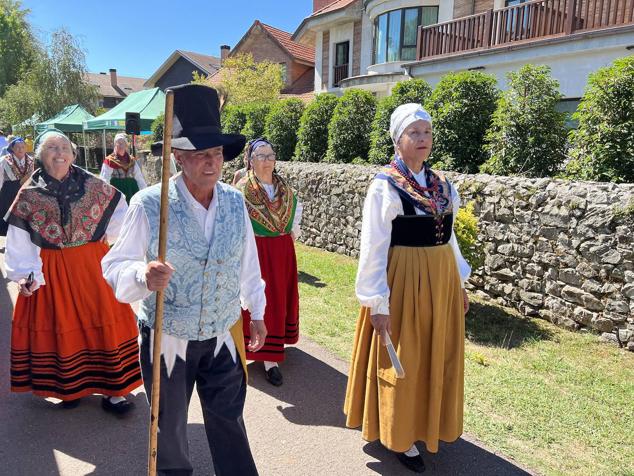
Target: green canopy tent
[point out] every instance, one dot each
(69, 119)
(149, 103)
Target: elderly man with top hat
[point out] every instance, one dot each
(210, 272)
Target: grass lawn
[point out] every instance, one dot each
(558, 402)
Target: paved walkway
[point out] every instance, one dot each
(295, 430)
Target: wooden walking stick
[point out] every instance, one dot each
(158, 318)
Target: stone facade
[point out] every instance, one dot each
(562, 251)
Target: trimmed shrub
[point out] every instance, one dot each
(381, 147)
(157, 127)
(528, 135)
(349, 128)
(462, 107)
(255, 123)
(233, 119)
(467, 228)
(282, 124)
(603, 145)
(312, 138)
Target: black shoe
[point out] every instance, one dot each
(118, 409)
(413, 463)
(274, 376)
(70, 404)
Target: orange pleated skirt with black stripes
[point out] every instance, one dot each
(427, 321)
(72, 338)
(278, 265)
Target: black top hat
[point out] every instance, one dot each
(196, 122)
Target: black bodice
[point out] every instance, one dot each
(414, 230)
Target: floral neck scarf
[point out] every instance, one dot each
(21, 172)
(275, 216)
(125, 161)
(434, 199)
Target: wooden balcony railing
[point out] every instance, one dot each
(340, 73)
(527, 21)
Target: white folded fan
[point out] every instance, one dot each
(396, 363)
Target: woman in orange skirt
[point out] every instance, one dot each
(70, 336)
(275, 215)
(410, 285)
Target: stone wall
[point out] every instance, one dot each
(563, 251)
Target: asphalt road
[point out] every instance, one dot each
(297, 429)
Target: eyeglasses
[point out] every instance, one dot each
(58, 149)
(263, 157)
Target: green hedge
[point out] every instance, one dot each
(603, 145)
(349, 128)
(282, 124)
(312, 138)
(381, 147)
(528, 135)
(233, 119)
(462, 107)
(255, 123)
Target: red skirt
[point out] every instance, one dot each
(72, 338)
(281, 316)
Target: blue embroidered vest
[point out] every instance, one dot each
(202, 299)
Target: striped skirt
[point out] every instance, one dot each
(72, 338)
(278, 264)
(427, 319)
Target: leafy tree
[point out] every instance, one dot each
(312, 138)
(603, 145)
(349, 128)
(381, 146)
(56, 80)
(17, 44)
(282, 124)
(246, 81)
(462, 107)
(527, 135)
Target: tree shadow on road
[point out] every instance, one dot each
(314, 390)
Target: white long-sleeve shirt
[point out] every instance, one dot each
(22, 256)
(382, 205)
(137, 174)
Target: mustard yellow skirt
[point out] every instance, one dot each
(427, 317)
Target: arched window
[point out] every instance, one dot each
(395, 33)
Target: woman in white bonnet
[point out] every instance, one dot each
(410, 283)
(121, 170)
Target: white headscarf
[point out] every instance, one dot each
(121, 136)
(405, 115)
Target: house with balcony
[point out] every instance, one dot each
(373, 44)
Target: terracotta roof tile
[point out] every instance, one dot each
(296, 50)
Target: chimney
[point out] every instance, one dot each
(319, 4)
(113, 77)
(224, 52)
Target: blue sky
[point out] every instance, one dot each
(136, 36)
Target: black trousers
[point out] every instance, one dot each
(221, 387)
